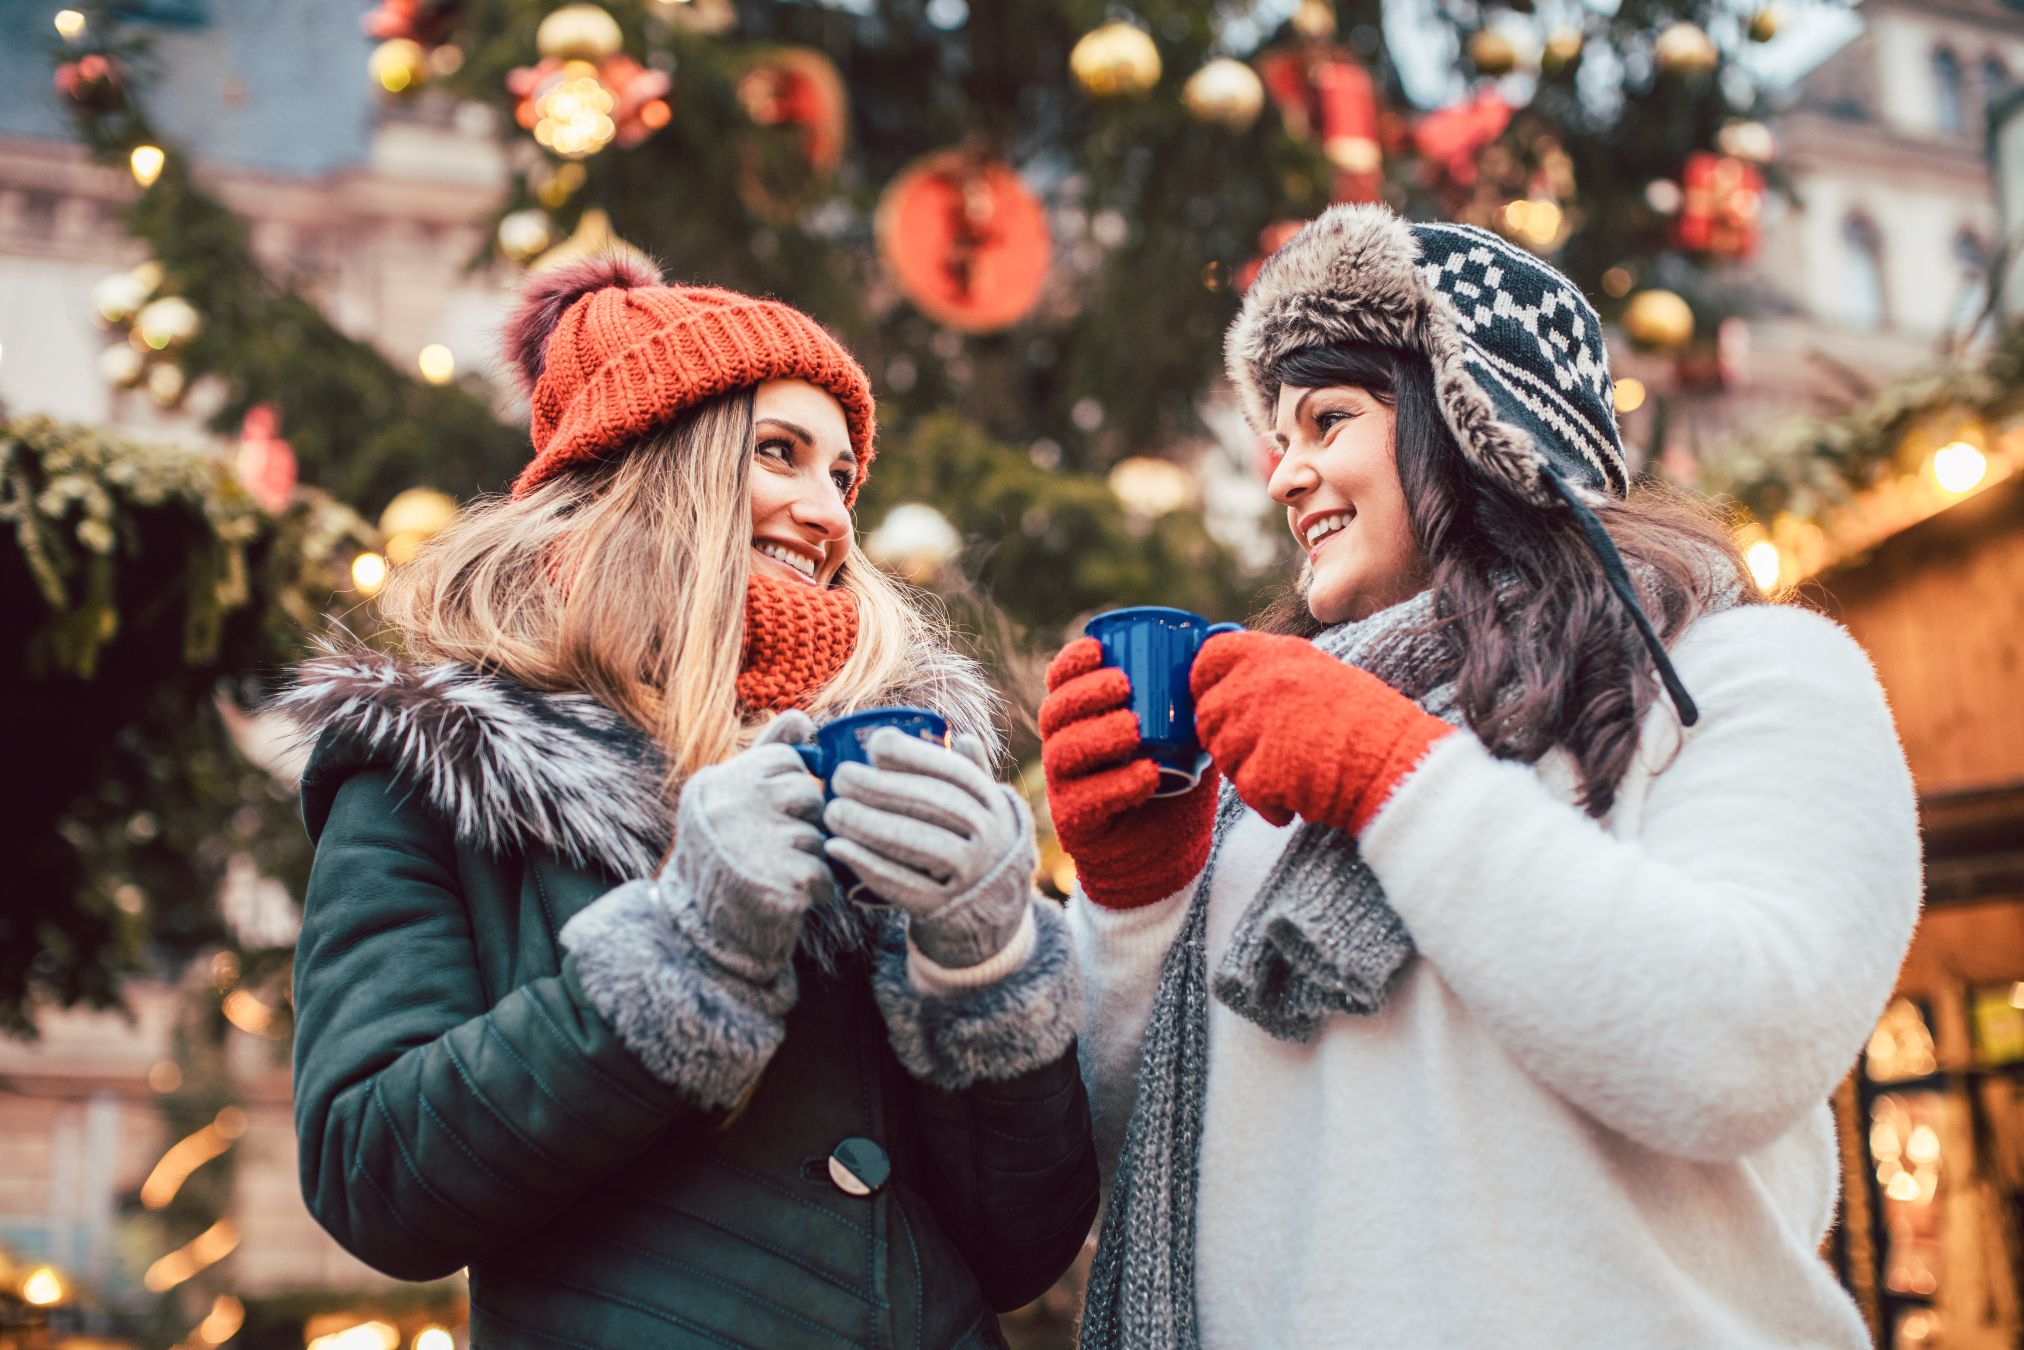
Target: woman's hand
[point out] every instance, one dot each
(1302, 734)
(748, 861)
(929, 830)
(1129, 847)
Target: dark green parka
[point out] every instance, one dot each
(504, 1063)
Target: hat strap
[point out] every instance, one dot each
(1618, 575)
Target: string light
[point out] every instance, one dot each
(369, 572)
(434, 1338)
(222, 1323)
(1534, 221)
(208, 1248)
(1959, 467)
(438, 363)
(1149, 486)
(70, 24)
(43, 1288)
(1764, 563)
(573, 114)
(1630, 394)
(186, 1155)
(374, 1335)
(146, 161)
(243, 1010)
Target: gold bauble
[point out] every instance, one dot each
(1116, 60)
(167, 322)
(119, 296)
(1225, 92)
(1764, 25)
(708, 17)
(398, 65)
(1658, 321)
(121, 366)
(522, 234)
(1314, 20)
(1752, 141)
(579, 33)
(165, 385)
(418, 511)
(1684, 49)
(1493, 53)
(1563, 49)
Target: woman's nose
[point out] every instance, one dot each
(819, 507)
(1293, 477)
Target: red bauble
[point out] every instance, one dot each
(966, 240)
(1723, 200)
(1323, 91)
(425, 21)
(95, 81)
(1451, 138)
(265, 463)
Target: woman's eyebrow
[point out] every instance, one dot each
(791, 428)
(1299, 405)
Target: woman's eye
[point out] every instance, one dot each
(1326, 420)
(843, 479)
(776, 449)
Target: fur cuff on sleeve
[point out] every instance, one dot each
(993, 1032)
(694, 1025)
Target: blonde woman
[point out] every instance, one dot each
(579, 1006)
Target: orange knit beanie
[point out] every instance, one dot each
(609, 353)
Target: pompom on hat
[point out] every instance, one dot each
(607, 352)
(1520, 367)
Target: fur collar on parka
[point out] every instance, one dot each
(513, 768)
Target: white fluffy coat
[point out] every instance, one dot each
(1594, 1112)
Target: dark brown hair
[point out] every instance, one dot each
(1518, 594)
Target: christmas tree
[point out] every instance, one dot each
(1033, 222)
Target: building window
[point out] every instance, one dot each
(1972, 286)
(1953, 108)
(1862, 295)
(1995, 80)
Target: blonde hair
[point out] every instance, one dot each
(626, 580)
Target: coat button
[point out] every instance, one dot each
(859, 1167)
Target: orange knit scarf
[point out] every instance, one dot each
(796, 638)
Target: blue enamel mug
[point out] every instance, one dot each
(843, 742)
(1156, 647)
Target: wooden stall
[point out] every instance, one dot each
(1932, 1238)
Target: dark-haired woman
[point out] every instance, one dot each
(1553, 880)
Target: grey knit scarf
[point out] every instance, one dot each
(1320, 938)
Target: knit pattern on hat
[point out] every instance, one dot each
(1521, 370)
(797, 637)
(609, 354)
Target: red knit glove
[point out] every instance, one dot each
(1301, 733)
(1130, 848)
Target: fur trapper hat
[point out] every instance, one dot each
(1520, 368)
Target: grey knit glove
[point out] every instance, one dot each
(748, 858)
(930, 831)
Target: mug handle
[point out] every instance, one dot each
(1218, 629)
(811, 756)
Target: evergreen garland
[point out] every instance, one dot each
(144, 583)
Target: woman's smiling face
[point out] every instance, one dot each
(1337, 476)
(802, 468)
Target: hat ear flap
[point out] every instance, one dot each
(548, 296)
